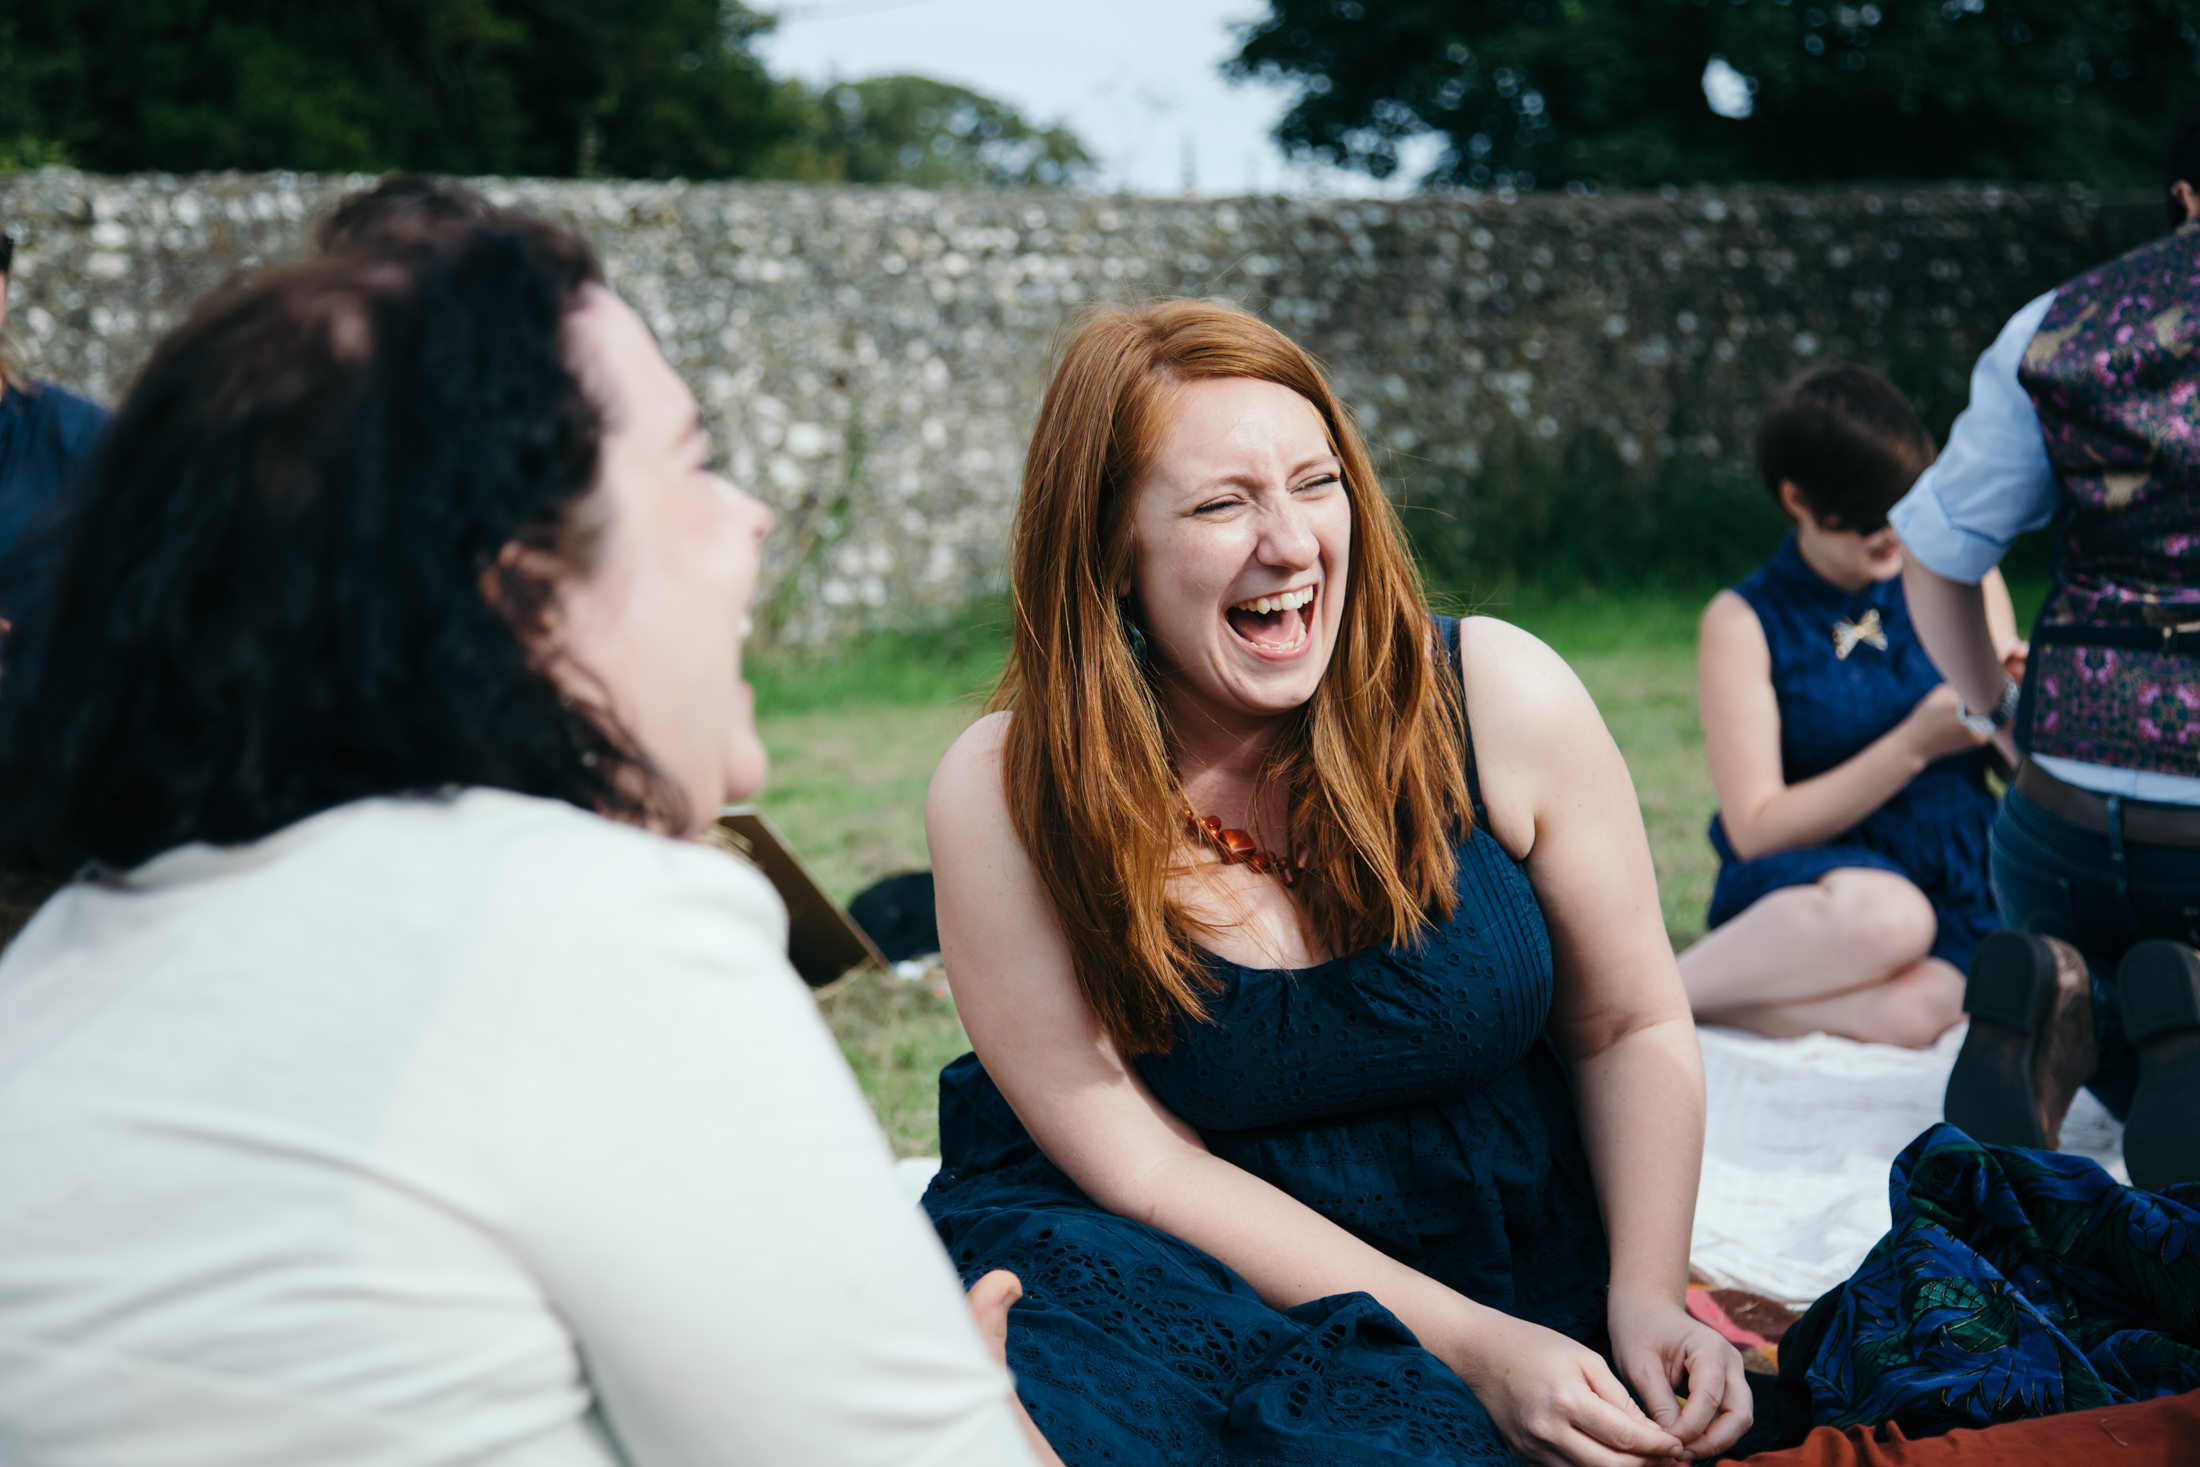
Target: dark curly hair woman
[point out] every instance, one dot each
(396, 1082)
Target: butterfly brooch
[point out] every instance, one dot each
(1865, 630)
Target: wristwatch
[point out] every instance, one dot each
(1986, 725)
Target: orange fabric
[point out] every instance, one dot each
(2164, 1432)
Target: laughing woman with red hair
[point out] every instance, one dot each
(1335, 1094)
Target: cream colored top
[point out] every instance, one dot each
(475, 1130)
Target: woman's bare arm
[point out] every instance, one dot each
(1560, 798)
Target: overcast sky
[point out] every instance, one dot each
(1138, 80)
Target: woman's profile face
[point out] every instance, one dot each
(1242, 537)
(657, 623)
(1861, 557)
(1846, 557)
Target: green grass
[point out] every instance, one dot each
(896, 1035)
(854, 738)
(956, 660)
(847, 785)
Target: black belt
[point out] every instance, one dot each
(2145, 822)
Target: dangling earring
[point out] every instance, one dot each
(1132, 631)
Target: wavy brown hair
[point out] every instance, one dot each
(1372, 762)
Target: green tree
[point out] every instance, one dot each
(911, 129)
(632, 87)
(1614, 91)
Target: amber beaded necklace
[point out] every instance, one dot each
(1237, 847)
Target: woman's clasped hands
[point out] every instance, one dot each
(1557, 1402)
(1665, 1352)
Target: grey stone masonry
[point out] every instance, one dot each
(871, 360)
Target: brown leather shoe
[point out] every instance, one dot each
(2159, 982)
(2030, 1045)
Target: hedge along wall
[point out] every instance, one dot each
(1556, 387)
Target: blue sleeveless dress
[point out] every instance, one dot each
(1934, 829)
(1410, 1095)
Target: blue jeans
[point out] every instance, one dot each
(2100, 895)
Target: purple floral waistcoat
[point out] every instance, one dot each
(2114, 373)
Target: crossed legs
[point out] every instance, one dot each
(1848, 954)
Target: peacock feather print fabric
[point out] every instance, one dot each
(2013, 1284)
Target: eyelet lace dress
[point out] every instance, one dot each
(1408, 1094)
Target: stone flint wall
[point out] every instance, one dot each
(1535, 372)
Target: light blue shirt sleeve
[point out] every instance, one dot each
(1993, 481)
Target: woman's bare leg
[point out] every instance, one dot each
(1911, 1009)
(1852, 930)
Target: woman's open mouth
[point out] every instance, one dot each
(1276, 625)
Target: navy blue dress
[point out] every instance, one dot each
(1934, 829)
(1409, 1095)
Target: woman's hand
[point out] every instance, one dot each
(1661, 1348)
(1932, 728)
(990, 1299)
(1556, 1402)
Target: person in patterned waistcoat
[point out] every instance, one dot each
(2085, 412)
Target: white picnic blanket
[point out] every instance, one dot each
(1799, 1138)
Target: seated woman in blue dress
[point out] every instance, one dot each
(1335, 1094)
(1853, 808)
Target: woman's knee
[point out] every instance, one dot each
(1879, 915)
(1921, 1005)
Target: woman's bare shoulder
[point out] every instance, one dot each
(1513, 676)
(982, 740)
(997, 924)
(975, 757)
(1727, 615)
(1532, 721)
(966, 798)
(1730, 640)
